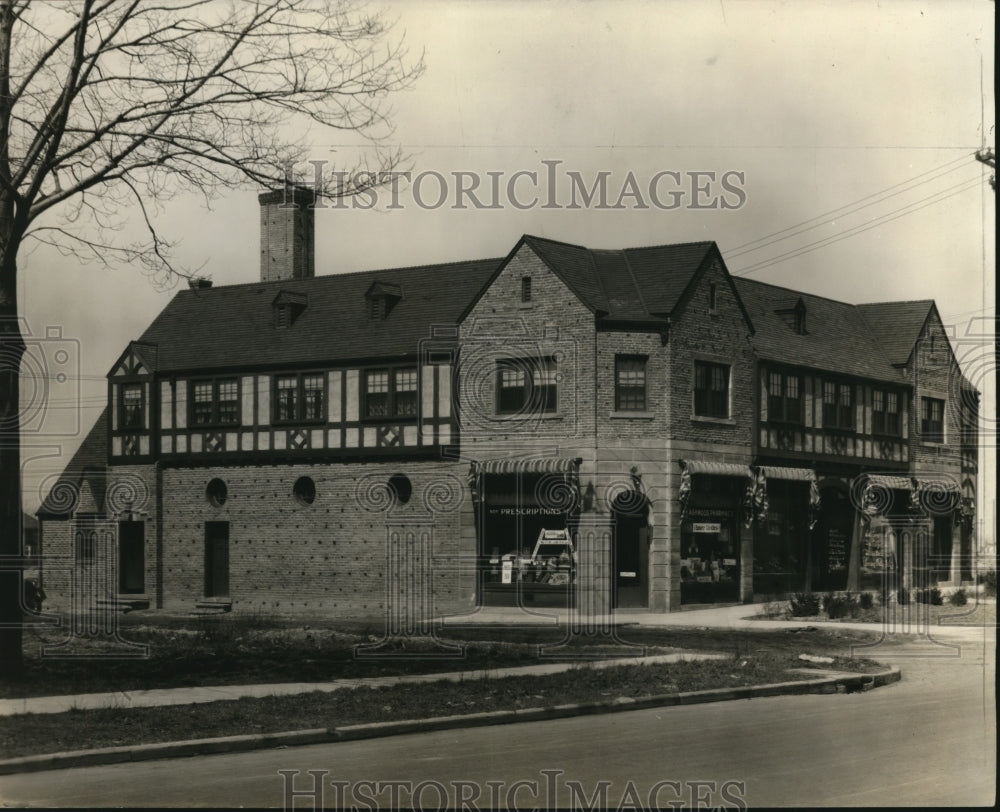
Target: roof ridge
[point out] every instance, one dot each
(795, 291)
(279, 282)
(898, 301)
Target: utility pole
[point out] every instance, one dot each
(986, 156)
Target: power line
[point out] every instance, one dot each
(910, 208)
(840, 209)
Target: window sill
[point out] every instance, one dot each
(717, 421)
(523, 417)
(525, 305)
(625, 415)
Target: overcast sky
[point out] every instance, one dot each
(860, 119)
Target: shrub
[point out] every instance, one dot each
(903, 596)
(959, 598)
(837, 606)
(804, 604)
(989, 581)
(866, 600)
(932, 596)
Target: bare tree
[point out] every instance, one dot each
(109, 107)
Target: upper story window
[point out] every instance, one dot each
(525, 288)
(630, 383)
(391, 392)
(215, 402)
(932, 420)
(526, 385)
(838, 405)
(711, 389)
(784, 397)
(299, 398)
(713, 297)
(131, 406)
(885, 413)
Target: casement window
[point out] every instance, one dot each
(932, 420)
(299, 398)
(838, 405)
(526, 385)
(131, 406)
(630, 383)
(215, 402)
(784, 397)
(711, 389)
(885, 413)
(391, 392)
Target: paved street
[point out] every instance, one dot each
(928, 740)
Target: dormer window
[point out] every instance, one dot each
(287, 307)
(382, 297)
(794, 315)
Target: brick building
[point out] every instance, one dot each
(614, 428)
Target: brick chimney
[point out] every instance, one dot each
(287, 234)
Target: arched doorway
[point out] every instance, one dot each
(630, 575)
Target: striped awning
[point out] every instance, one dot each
(542, 465)
(715, 468)
(794, 474)
(897, 483)
(926, 482)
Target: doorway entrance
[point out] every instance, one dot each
(216, 559)
(630, 581)
(131, 558)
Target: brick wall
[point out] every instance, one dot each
(332, 556)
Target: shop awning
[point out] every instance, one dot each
(794, 474)
(897, 483)
(715, 468)
(543, 465)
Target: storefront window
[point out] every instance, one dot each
(527, 553)
(710, 563)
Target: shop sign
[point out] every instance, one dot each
(707, 527)
(507, 571)
(525, 511)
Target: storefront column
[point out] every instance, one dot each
(593, 574)
(955, 574)
(854, 556)
(746, 563)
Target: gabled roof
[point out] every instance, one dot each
(621, 285)
(92, 455)
(231, 326)
(897, 325)
(837, 337)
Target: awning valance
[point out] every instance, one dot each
(542, 465)
(897, 483)
(917, 482)
(715, 468)
(794, 474)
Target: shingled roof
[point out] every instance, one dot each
(897, 325)
(837, 338)
(92, 455)
(623, 285)
(233, 326)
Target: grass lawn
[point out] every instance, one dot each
(234, 650)
(30, 734)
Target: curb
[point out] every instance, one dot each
(372, 730)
